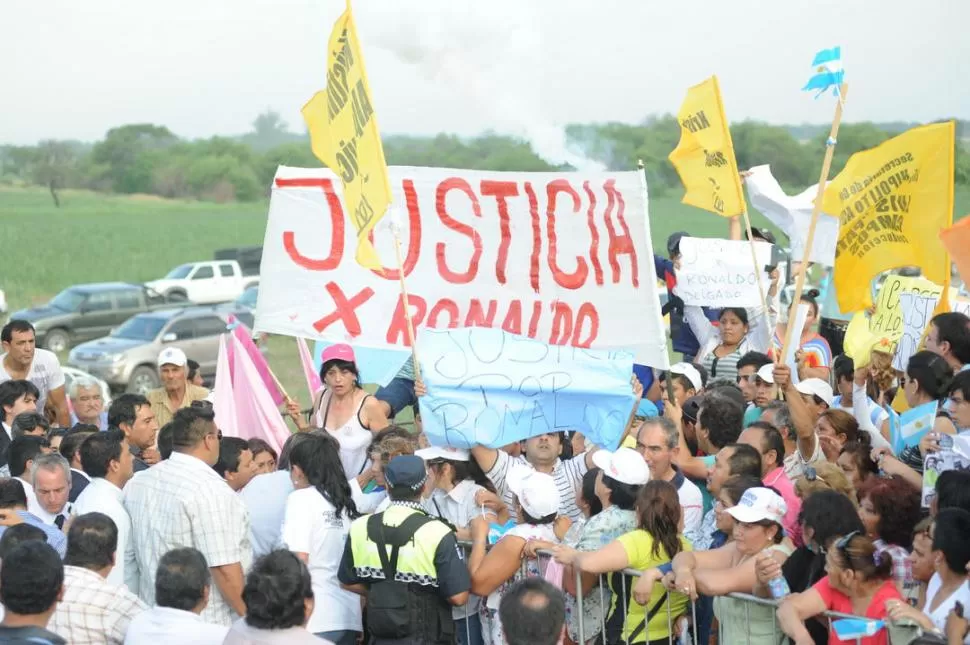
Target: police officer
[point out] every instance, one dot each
(407, 563)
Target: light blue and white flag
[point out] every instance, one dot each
(828, 72)
(912, 425)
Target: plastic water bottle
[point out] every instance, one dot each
(778, 587)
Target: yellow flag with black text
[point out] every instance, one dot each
(344, 135)
(704, 158)
(892, 201)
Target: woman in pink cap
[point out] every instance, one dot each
(345, 409)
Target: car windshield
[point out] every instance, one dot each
(68, 300)
(248, 298)
(140, 328)
(179, 272)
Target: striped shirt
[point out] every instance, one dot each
(568, 475)
(725, 367)
(877, 415)
(816, 349)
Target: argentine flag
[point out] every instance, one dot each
(828, 71)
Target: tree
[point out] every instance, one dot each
(129, 154)
(54, 163)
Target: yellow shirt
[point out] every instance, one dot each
(639, 549)
(159, 400)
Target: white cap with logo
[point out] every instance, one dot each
(625, 465)
(767, 373)
(759, 504)
(537, 492)
(172, 356)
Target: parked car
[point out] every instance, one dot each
(127, 358)
(87, 311)
(205, 282)
(72, 373)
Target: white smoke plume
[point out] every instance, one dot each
(490, 52)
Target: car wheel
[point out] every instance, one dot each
(143, 379)
(57, 341)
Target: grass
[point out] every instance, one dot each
(95, 237)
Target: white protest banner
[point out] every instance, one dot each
(917, 310)
(489, 387)
(718, 273)
(793, 215)
(564, 258)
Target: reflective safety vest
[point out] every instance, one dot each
(415, 559)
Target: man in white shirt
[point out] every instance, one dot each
(182, 587)
(22, 360)
(16, 396)
(182, 502)
(235, 463)
(51, 478)
(23, 452)
(92, 609)
(658, 441)
(106, 458)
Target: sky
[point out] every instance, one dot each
(72, 70)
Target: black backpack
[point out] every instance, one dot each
(391, 606)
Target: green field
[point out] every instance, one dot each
(96, 237)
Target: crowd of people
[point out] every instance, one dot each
(737, 477)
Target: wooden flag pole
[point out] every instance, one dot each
(407, 306)
(816, 209)
(757, 270)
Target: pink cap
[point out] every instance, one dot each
(338, 352)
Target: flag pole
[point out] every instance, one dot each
(404, 298)
(757, 269)
(816, 209)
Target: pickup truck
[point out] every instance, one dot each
(87, 311)
(205, 282)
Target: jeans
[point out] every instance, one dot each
(398, 394)
(340, 636)
(474, 634)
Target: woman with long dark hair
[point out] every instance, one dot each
(344, 409)
(315, 528)
(738, 331)
(656, 539)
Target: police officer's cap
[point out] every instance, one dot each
(406, 471)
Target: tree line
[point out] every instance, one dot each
(148, 158)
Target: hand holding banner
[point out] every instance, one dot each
(719, 273)
(489, 387)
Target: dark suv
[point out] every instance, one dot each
(86, 311)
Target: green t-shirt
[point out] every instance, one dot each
(639, 550)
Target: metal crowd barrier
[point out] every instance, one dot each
(601, 587)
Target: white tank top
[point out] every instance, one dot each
(353, 437)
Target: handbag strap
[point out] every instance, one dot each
(650, 614)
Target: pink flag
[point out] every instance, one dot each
(257, 416)
(312, 377)
(242, 333)
(224, 404)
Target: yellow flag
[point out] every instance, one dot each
(892, 201)
(704, 158)
(344, 135)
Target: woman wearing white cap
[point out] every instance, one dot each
(620, 476)
(460, 488)
(731, 568)
(536, 499)
(655, 539)
(344, 409)
(738, 331)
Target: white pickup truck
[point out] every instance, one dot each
(205, 282)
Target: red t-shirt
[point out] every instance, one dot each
(837, 601)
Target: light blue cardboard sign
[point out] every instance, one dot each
(377, 366)
(489, 387)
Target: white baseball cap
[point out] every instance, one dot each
(172, 356)
(759, 504)
(443, 452)
(767, 373)
(537, 492)
(688, 370)
(625, 465)
(816, 387)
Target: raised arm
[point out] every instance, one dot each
(801, 416)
